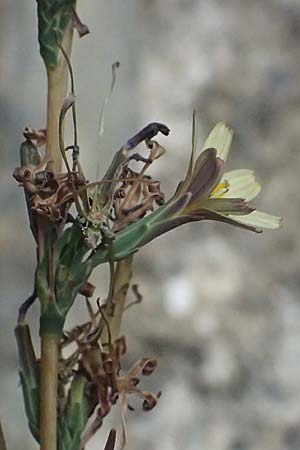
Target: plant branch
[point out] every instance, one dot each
(122, 279)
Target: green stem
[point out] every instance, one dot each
(57, 91)
(48, 392)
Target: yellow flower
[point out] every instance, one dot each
(215, 195)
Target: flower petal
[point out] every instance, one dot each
(220, 138)
(260, 220)
(208, 214)
(241, 184)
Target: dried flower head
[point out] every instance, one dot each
(138, 193)
(100, 364)
(48, 194)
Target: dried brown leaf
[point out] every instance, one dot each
(80, 27)
(38, 136)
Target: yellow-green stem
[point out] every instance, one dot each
(57, 92)
(122, 279)
(48, 392)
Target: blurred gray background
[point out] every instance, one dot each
(221, 306)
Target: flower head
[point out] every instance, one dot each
(209, 193)
(206, 193)
(221, 196)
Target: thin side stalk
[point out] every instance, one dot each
(57, 92)
(122, 279)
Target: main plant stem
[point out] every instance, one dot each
(57, 92)
(48, 392)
